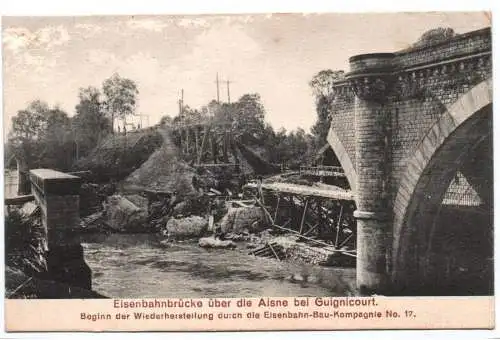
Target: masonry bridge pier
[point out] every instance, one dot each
(58, 198)
(413, 132)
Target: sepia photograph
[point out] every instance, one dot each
(328, 156)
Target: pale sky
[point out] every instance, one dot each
(273, 55)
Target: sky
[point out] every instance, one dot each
(50, 58)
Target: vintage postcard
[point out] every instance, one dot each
(315, 171)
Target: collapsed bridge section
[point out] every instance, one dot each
(320, 215)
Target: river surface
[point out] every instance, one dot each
(138, 265)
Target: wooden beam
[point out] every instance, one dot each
(312, 228)
(200, 154)
(196, 140)
(303, 215)
(338, 226)
(345, 241)
(330, 246)
(259, 203)
(225, 146)
(19, 200)
(272, 249)
(277, 207)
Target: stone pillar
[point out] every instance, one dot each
(371, 80)
(57, 194)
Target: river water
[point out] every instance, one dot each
(139, 265)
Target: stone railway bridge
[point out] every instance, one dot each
(409, 127)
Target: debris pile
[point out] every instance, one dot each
(124, 215)
(244, 219)
(93, 195)
(212, 242)
(285, 217)
(186, 227)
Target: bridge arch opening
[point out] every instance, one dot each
(443, 211)
(343, 158)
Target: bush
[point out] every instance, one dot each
(18, 231)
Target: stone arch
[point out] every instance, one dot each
(460, 129)
(344, 159)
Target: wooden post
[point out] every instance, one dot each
(291, 210)
(200, 155)
(338, 226)
(196, 140)
(277, 207)
(224, 146)
(303, 215)
(212, 148)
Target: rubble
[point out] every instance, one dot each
(186, 202)
(212, 242)
(139, 200)
(93, 195)
(123, 215)
(186, 227)
(239, 220)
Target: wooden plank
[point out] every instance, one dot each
(297, 189)
(19, 200)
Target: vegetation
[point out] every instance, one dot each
(247, 119)
(23, 237)
(120, 98)
(90, 123)
(435, 36)
(42, 136)
(322, 87)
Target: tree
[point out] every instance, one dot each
(27, 128)
(166, 120)
(90, 123)
(435, 36)
(293, 148)
(40, 137)
(322, 86)
(120, 97)
(322, 82)
(56, 141)
(249, 114)
(28, 123)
